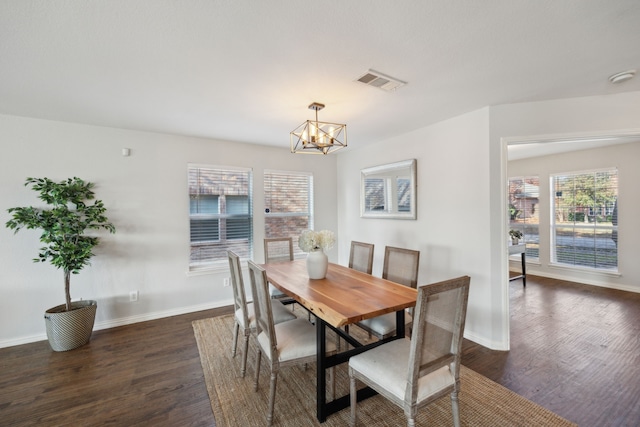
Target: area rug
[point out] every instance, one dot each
(235, 403)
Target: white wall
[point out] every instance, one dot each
(146, 197)
(452, 229)
(462, 174)
(460, 228)
(625, 157)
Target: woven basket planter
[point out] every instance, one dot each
(67, 330)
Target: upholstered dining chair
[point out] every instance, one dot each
(244, 313)
(283, 344)
(400, 266)
(361, 256)
(278, 249)
(361, 259)
(412, 373)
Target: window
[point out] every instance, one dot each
(220, 213)
(584, 224)
(288, 202)
(524, 199)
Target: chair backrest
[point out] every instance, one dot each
(401, 266)
(438, 327)
(278, 249)
(361, 257)
(237, 284)
(262, 307)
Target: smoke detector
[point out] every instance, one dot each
(381, 81)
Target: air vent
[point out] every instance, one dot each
(381, 81)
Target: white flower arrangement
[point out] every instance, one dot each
(313, 240)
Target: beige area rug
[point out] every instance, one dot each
(235, 403)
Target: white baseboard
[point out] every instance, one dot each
(492, 345)
(584, 281)
(124, 321)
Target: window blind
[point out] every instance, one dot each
(584, 225)
(288, 201)
(524, 215)
(220, 213)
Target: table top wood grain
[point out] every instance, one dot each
(344, 296)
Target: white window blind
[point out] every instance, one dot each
(524, 215)
(584, 224)
(288, 201)
(220, 213)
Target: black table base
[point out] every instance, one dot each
(324, 408)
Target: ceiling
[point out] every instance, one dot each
(525, 150)
(246, 71)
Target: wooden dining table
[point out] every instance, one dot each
(345, 296)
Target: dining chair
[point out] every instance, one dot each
(400, 266)
(244, 313)
(361, 257)
(278, 249)
(283, 344)
(412, 373)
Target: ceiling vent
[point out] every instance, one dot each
(381, 81)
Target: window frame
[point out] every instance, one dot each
(596, 226)
(220, 246)
(532, 247)
(269, 213)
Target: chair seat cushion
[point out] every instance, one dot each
(280, 314)
(296, 339)
(275, 292)
(384, 324)
(388, 366)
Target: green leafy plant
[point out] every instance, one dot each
(64, 224)
(515, 234)
(513, 212)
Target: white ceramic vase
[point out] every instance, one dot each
(317, 264)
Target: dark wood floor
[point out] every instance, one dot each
(575, 350)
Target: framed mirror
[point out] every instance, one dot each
(389, 191)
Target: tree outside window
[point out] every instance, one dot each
(584, 226)
(524, 199)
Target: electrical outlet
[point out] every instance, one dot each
(133, 296)
(226, 282)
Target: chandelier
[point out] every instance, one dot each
(315, 137)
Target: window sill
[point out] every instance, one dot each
(208, 269)
(608, 273)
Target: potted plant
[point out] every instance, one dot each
(67, 247)
(516, 235)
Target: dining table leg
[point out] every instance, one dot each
(321, 384)
(322, 407)
(400, 330)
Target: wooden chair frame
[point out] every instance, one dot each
(390, 272)
(427, 323)
(275, 293)
(269, 241)
(361, 251)
(242, 318)
(266, 327)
